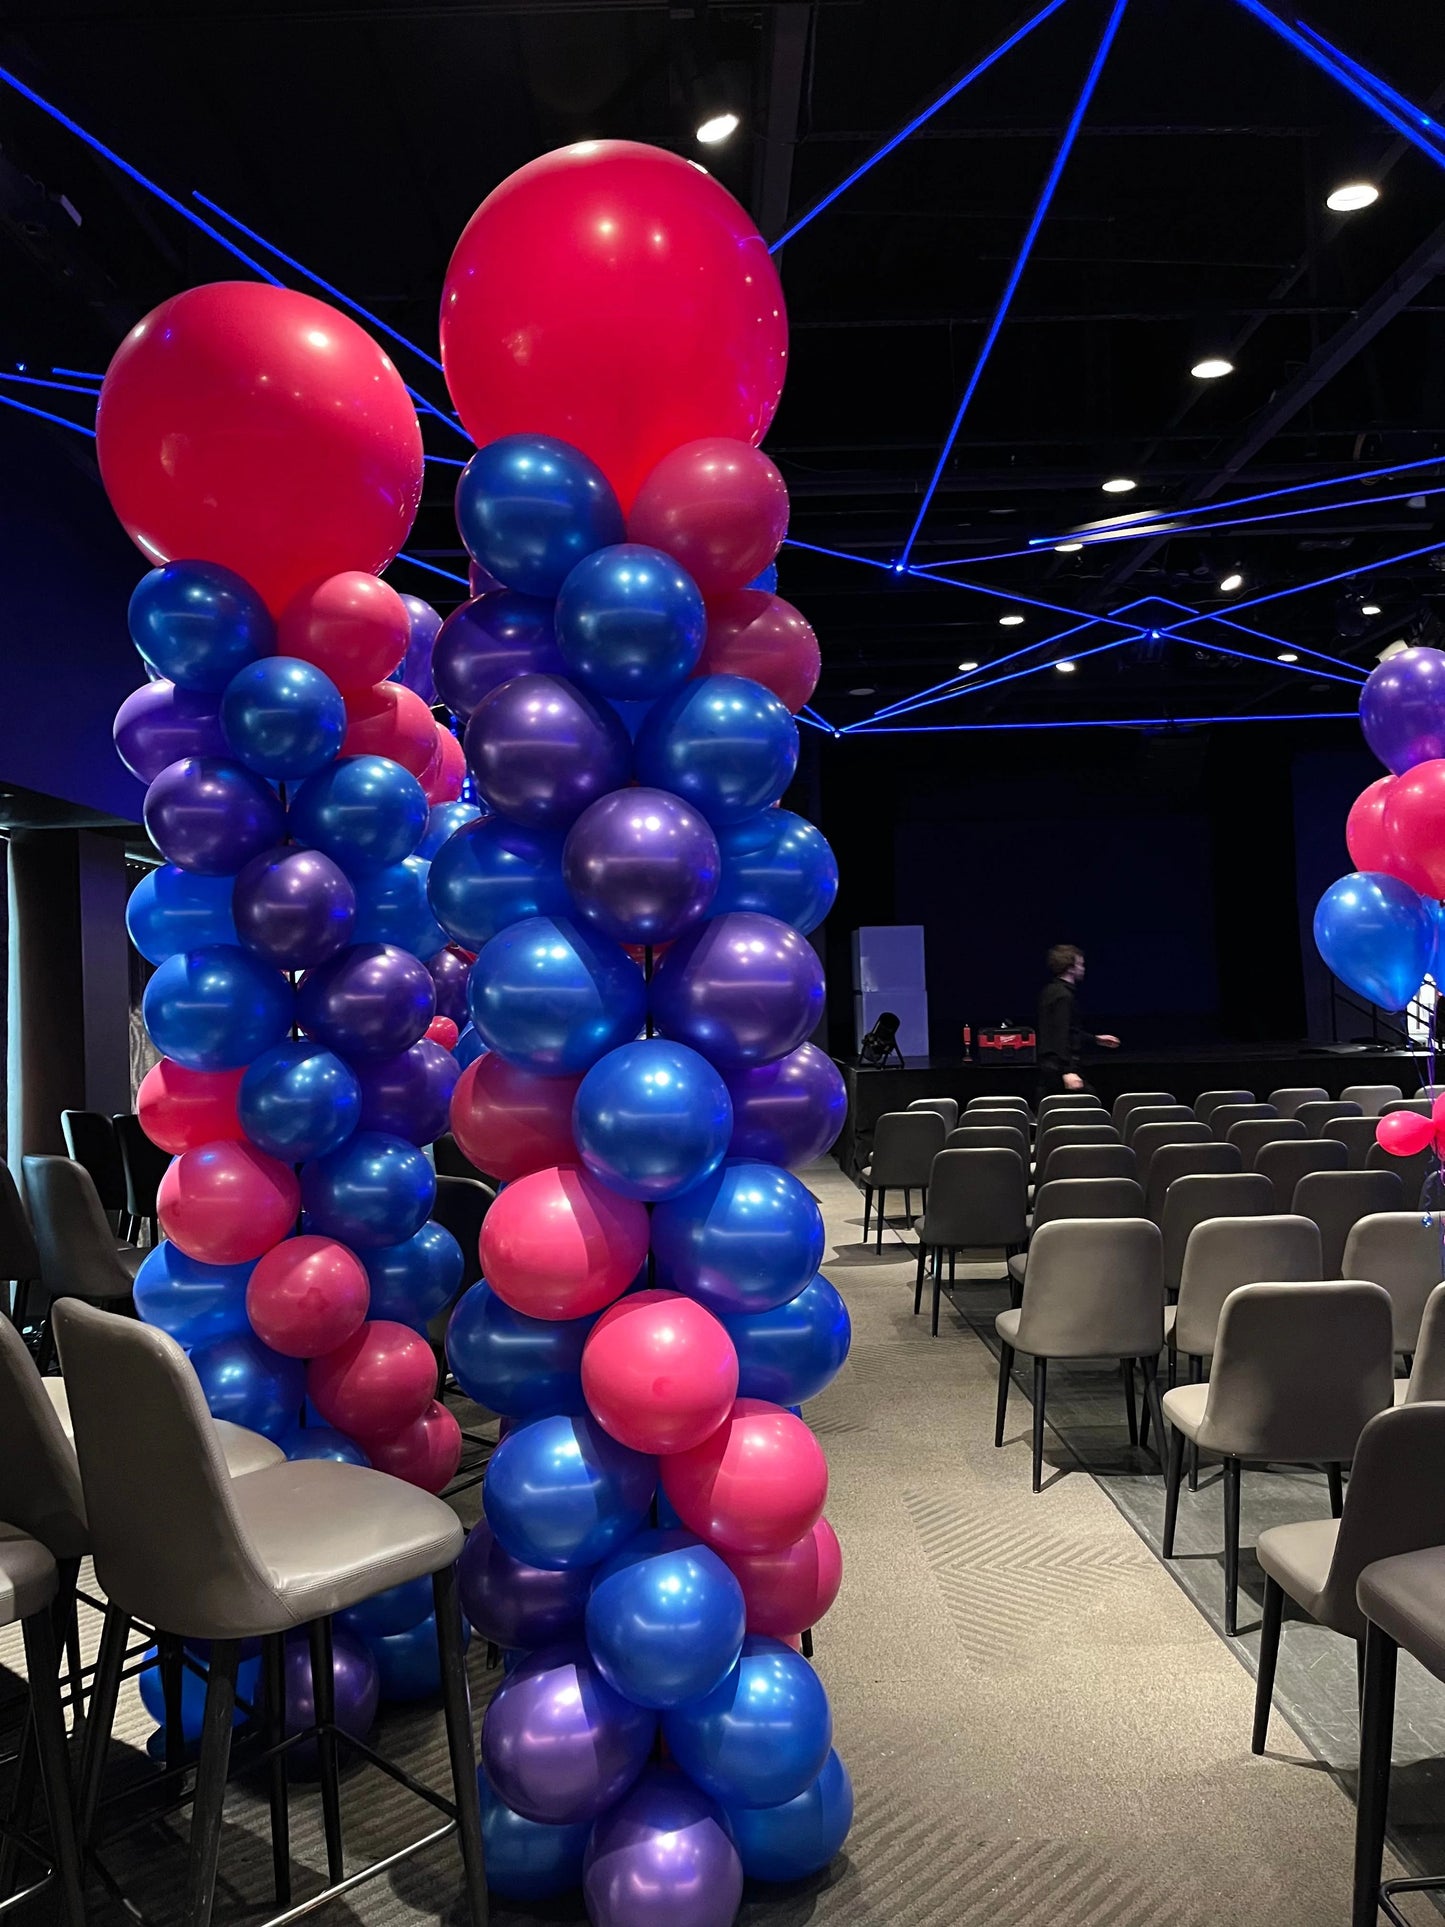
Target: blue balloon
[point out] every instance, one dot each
(652, 1119)
(283, 718)
(443, 821)
(746, 1239)
(412, 1281)
(1377, 936)
(216, 1008)
(759, 1738)
(299, 1101)
(529, 507)
(665, 1619)
(800, 1837)
(392, 907)
(468, 1047)
(249, 1384)
(364, 812)
(192, 1301)
(409, 1662)
(193, 1692)
(723, 743)
(396, 1610)
(630, 623)
(560, 1493)
(526, 1859)
(197, 624)
(790, 1353)
(767, 580)
(518, 1366)
(171, 910)
(375, 1190)
(553, 998)
(778, 864)
(317, 1441)
(493, 873)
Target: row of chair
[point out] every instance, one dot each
(125, 1167)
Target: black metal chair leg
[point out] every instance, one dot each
(867, 1209)
(460, 1744)
(1005, 1367)
(211, 1781)
(907, 1205)
(1041, 1377)
(1126, 1369)
(937, 1296)
(1171, 1491)
(273, 1670)
(1334, 1473)
(323, 1698)
(1231, 1547)
(172, 1668)
(1196, 1374)
(1268, 1654)
(42, 1663)
(952, 1261)
(1377, 1727)
(918, 1283)
(1153, 1406)
(878, 1223)
(103, 1691)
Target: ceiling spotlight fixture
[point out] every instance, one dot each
(866, 691)
(1211, 368)
(1067, 548)
(717, 127)
(1011, 621)
(1287, 655)
(1119, 485)
(1065, 668)
(1392, 649)
(1229, 583)
(967, 668)
(1369, 608)
(1352, 196)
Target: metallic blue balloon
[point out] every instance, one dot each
(409, 1661)
(299, 1101)
(540, 750)
(364, 812)
(529, 507)
(561, 1493)
(665, 1619)
(396, 1610)
(518, 1366)
(416, 668)
(412, 1281)
(210, 815)
(374, 1191)
(490, 639)
(630, 623)
(216, 1008)
(197, 623)
(493, 873)
(443, 821)
(779, 864)
(249, 1384)
(652, 1119)
(192, 1301)
(468, 1047)
(171, 910)
(283, 718)
(1377, 936)
(370, 1000)
(767, 581)
(392, 907)
(552, 998)
(193, 1692)
(724, 743)
(746, 1239)
(800, 1837)
(322, 1442)
(408, 1095)
(759, 1738)
(526, 1859)
(790, 1353)
(294, 907)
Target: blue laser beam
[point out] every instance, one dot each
(1260, 635)
(39, 381)
(1326, 581)
(1295, 668)
(432, 569)
(1017, 675)
(963, 683)
(1131, 722)
(1426, 122)
(44, 414)
(79, 374)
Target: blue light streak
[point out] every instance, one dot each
(38, 381)
(1375, 81)
(1014, 675)
(1245, 655)
(963, 683)
(44, 414)
(432, 569)
(1326, 581)
(79, 374)
(1133, 722)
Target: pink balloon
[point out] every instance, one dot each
(1413, 823)
(426, 1453)
(1370, 847)
(307, 1295)
(376, 1383)
(510, 1123)
(352, 625)
(1403, 1133)
(789, 1590)
(559, 1244)
(447, 770)
(390, 720)
(443, 1031)
(659, 1372)
(751, 633)
(226, 1203)
(756, 1485)
(180, 1109)
(718, 506)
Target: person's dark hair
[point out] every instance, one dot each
(1062, 957)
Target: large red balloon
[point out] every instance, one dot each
(616, 296)
(259, 428)
(390, 720)
(180, 1109)
(758, 1484)
(751, 633)
(350, 625)
(717, 506)
(1413, 824)
(788, 1591)
(226, 1203)
(510, 1123)
(659, 1372)
(375, 1384)
(426, 1453)
(559, 1244)
(1370, 847)
(307, 1295)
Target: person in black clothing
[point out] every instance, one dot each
(1058, 1034)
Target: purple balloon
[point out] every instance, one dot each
(541, 751)
(208, 815)
(416, 669)
(743, 990)
(408, 1095)
(294, 907)
(558, 1743)
(1402, 709)
(516, 1605)
(357, 1685)
(449, 972)
(486, 642)
(642, 865)
(787, 1112)
(158, 724)
(371, 1000)
(663, 1858)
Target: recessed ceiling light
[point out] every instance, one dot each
(1010, 621)
(866, 691)
(1352, 196)
(1369, 608)
(717, 127)
(1119, 485)
(1067, 548)
(966, 668)
(1067, 668)
(1287, 655)
(1211, 368)
(1229, 583)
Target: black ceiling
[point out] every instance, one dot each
(359, 136)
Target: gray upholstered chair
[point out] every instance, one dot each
(1414, 1172)
(1371, 1098)
(1055, 1132)
(1421, 1106)
(90, 1141)
(1128, 1101)
(1067, 1101)
(1427, 1367)
(143, 1165)
(1157, 1137)
(255, 1558)
(946, 1107)
(975, 1203)
(1190, 1159)
(79, 1257)
(1288, 1160)
(1289, 1097)
(1145, 1114)
(19, 1259)
(28, 1588)
(1401, 1251)
(1336, 1200)
(1208, 1102)
(905, 1143)
(1191, 1200)
(1251, 1134)
(1357, 1134)
(1299, 1371)
(1224, 1116)
(1316, 1114)
(1395, 1503)
(1087, 1161)
(1076, 1198)
(1094, 1291)
(992, 1102)
(988, 1137)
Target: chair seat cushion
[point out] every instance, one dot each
(1016, 1266)
(27, 1576)
(1405, 1597)
(1298, 1556)
(1184, 1408)
(1007, 1326)
(245, 1451)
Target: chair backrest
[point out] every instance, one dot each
(90, 1140)
(1394, 1503)
(1427, 1373)
(976, 1199)
(1289, 1097)
(988, 1137)
(1153, 1138)
(1173, 1161)
(1286, 1161)
(1251, 1134)
(1087, 1161)
(1415, 1172)
(993, 1103)
(76, 1245)
(39, 1478)
(450, 1160)
(1421, 1106)
(461, 1204)
(1208, 1102)
(1067, 1101)
(1299, 1371)
(1190, 1200)
(1223, 1253)
(1052, 1134)
(1087, 1198)
(1146, 1114)
(1401, 1251)
(1357, 1134)
(143, 1164)
(1338, 1199)
(905, 1144)
(1128, 1101)
(1225, 1115)
(19, 1258)
(946, 1107)
(1315, 1116)
(996, 1112)
(1371, 1098)
(1093, 1290)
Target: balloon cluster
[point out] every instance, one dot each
(651, 1314)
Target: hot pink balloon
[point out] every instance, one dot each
(559, 1244)
(1403, 1133)
(758, 1484)
(226, 1203)
(1413, 824)
(788, 1591)
(426, 1453)
(447, 770)
(180, 1109)
(307, 1295)
(509, 1122)
(751, 633)
(390, 720)
(443, 1031)
(718, 506)
(1370, 847)
(659, 1372)
(375, 1384)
